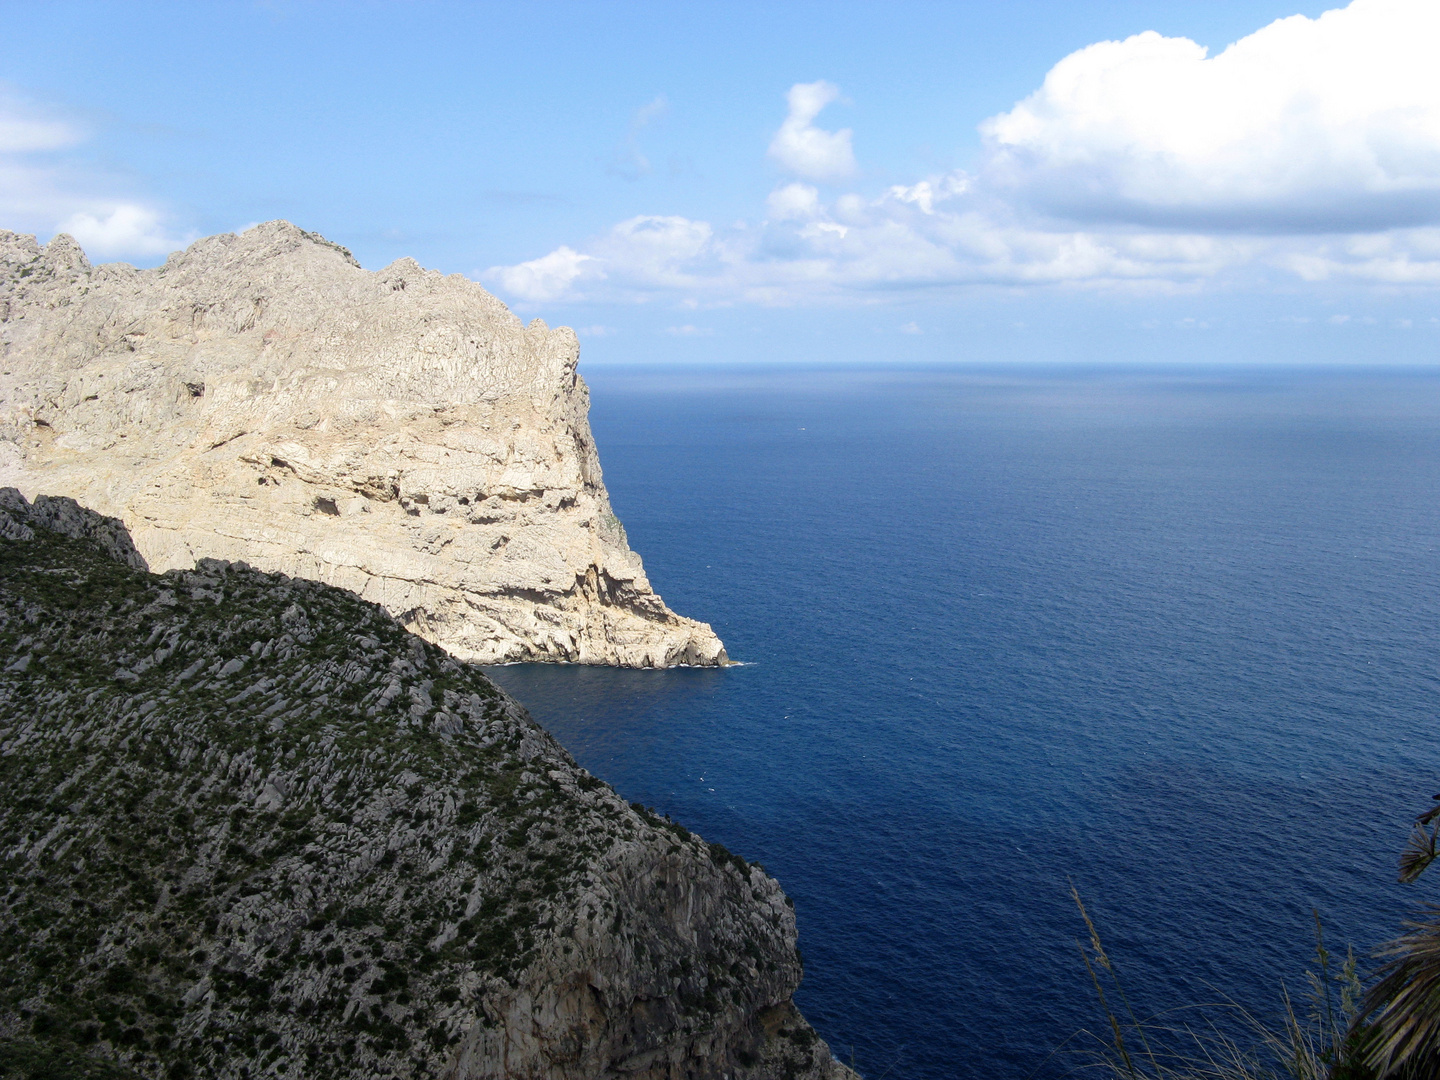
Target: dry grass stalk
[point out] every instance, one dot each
(1390, 1033)
(1194, 1043)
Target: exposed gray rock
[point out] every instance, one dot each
(399, 434)
(68, 518)
(251, 826)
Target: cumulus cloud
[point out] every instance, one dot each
(793, 202)
(639, 257)
(659, 243)
(44, 192)
(124, 229)
(546, 278)
(867, 249)
(806, 150)
(1309, 150)
(1391, 257)
(1328, 124)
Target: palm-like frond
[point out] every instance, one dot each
(1420, 850)
(1400, 1016)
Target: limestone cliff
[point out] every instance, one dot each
(399, 434)
(250, 826)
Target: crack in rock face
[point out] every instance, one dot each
(400, 434)
(250, 826)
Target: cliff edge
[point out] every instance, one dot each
(250, 826)
(400, 434)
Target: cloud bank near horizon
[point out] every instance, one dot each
(1308, 151)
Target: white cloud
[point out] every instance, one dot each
(657, 242)
(926, 193)
(651, 111)
(911, 328)
(629, 161)
(1392, 257)
(1307, 152)
(43, 191)
(793, 202)
(689, 331)
(806, 150)
(124, 229)
(546, 278)
(866, 249)
(1328, 124)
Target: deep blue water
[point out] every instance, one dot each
(1174, 635)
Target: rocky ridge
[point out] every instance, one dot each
(249, 825)
(399, 434)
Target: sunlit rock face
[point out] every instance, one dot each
(400, 434)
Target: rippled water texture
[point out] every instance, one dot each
(1170, 634)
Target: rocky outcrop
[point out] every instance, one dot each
(251, 826)
(399, 434)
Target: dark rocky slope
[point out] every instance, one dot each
(250, 826)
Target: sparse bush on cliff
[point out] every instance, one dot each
(251, 826)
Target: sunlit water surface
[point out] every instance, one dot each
(1173, 635)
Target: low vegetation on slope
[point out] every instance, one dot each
(251, 826)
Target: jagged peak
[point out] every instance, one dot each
(65, 253)
(18, 248)
(62, 253)
(265, 240)
(259, 242)
(403, 269)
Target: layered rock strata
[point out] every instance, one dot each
(399, 434)
(250, 826)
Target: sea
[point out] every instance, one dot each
(1168, 636)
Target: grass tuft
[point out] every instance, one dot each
(1222, 1040)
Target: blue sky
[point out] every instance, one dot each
(847, 181)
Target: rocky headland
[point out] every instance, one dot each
(251, 826)
(399, 434)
